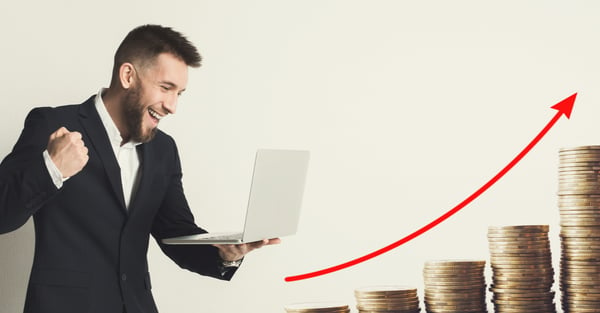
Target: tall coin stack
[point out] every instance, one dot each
(317, 307)
(579, 204)
(522, 273)
(455, 286)
(386, 299)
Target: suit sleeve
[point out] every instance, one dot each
(176, 219)
(25, 184)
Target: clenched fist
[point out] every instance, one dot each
(67, 151)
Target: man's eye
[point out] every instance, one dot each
(165, 88)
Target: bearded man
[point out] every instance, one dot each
(99, 178)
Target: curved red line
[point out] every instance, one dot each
(563, 107)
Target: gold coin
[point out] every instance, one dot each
(578, 270)
(529, 309)
(575, 161)
(580, 148)
(522, 266)
(453, 271)
(446, 302)
(584, 160)
(519, 244)
(566, 170)
(520, 250)
(579, 231)
(454, 284)
(386, 291)
(573, 154)
(519, 240)
(455, 263)
(510, 236)
(518, 228)
(578, 154)
(592, 176)
(449, 293)
(523, 297)
(433, 282)
(584, 205)
(583, 247)
(455, 296)
(580, 257)
(580, 242)
(388, 300)
(387, 307)
(317, 307)
(577, 189)
(417, 310)
(579, 215)
(573, 182)
(519, 264)
(524, 257)
(577, 192)
(535, 279)
(524, 302)
(592, 198)
(582, 223)
(573, 214)
(591, 297)
(440, 307)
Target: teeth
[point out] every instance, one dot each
(154, 114)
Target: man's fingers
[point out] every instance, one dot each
(75, 135)
(68, 151)
(59, 133)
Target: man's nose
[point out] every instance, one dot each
(170, 104)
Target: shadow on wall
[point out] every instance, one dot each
(16, 257)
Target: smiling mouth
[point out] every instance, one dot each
(155, 114)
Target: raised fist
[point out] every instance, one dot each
(67, 151)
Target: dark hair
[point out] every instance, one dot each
(144, 43)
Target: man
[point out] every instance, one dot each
(99, 178)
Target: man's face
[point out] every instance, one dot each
(154, 96)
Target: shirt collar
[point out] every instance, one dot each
(111, 129)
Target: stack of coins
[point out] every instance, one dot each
(522, 273)
(579, 205)
(317, 307)
(385, 299)
(455, 286)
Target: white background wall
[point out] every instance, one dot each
(407, 106)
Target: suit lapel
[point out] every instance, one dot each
(100, 143)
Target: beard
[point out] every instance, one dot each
(134, 113)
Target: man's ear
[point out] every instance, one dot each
(126, 75)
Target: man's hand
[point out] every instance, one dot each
(236, 252)
(67, 151)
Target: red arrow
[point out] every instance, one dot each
(563, 107)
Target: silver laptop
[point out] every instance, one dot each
(274, 204)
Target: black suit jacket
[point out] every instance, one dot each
(90, 251)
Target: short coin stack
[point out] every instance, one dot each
(579, 205)
(386, 299)
(522, 273)
(455, 286)
(317, 307)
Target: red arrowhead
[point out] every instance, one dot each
(566, 106)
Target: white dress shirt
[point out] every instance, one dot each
(126, 155)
